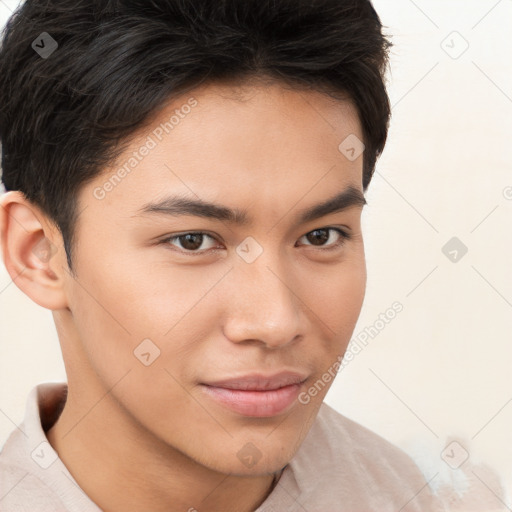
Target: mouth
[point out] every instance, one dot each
(257, 395)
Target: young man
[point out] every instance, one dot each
(185, 181)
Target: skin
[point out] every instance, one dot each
(139, 437)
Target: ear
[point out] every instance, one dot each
(31, 250)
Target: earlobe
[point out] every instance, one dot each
(29, 255)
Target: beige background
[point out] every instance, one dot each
(439, 370)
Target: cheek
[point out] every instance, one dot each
(119, 303)
(336, 303)
(336, 294)
(350, 296)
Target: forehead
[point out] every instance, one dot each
(235, 143)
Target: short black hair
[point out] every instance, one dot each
(65, 117)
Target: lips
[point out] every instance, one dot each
(260, 382)
(257, 395)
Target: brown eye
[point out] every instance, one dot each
(189, 242)
(319, 237)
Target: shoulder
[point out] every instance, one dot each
(25, 484)
(20, 489)
(365, 446)
(360, 468)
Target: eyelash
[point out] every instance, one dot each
(344, 237)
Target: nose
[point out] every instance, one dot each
(262, 306)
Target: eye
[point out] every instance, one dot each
(318, 237)
(190, 242)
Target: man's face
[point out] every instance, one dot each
(275, 293)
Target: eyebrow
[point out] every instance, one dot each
(179, 205)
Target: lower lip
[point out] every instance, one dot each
(255, 403)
